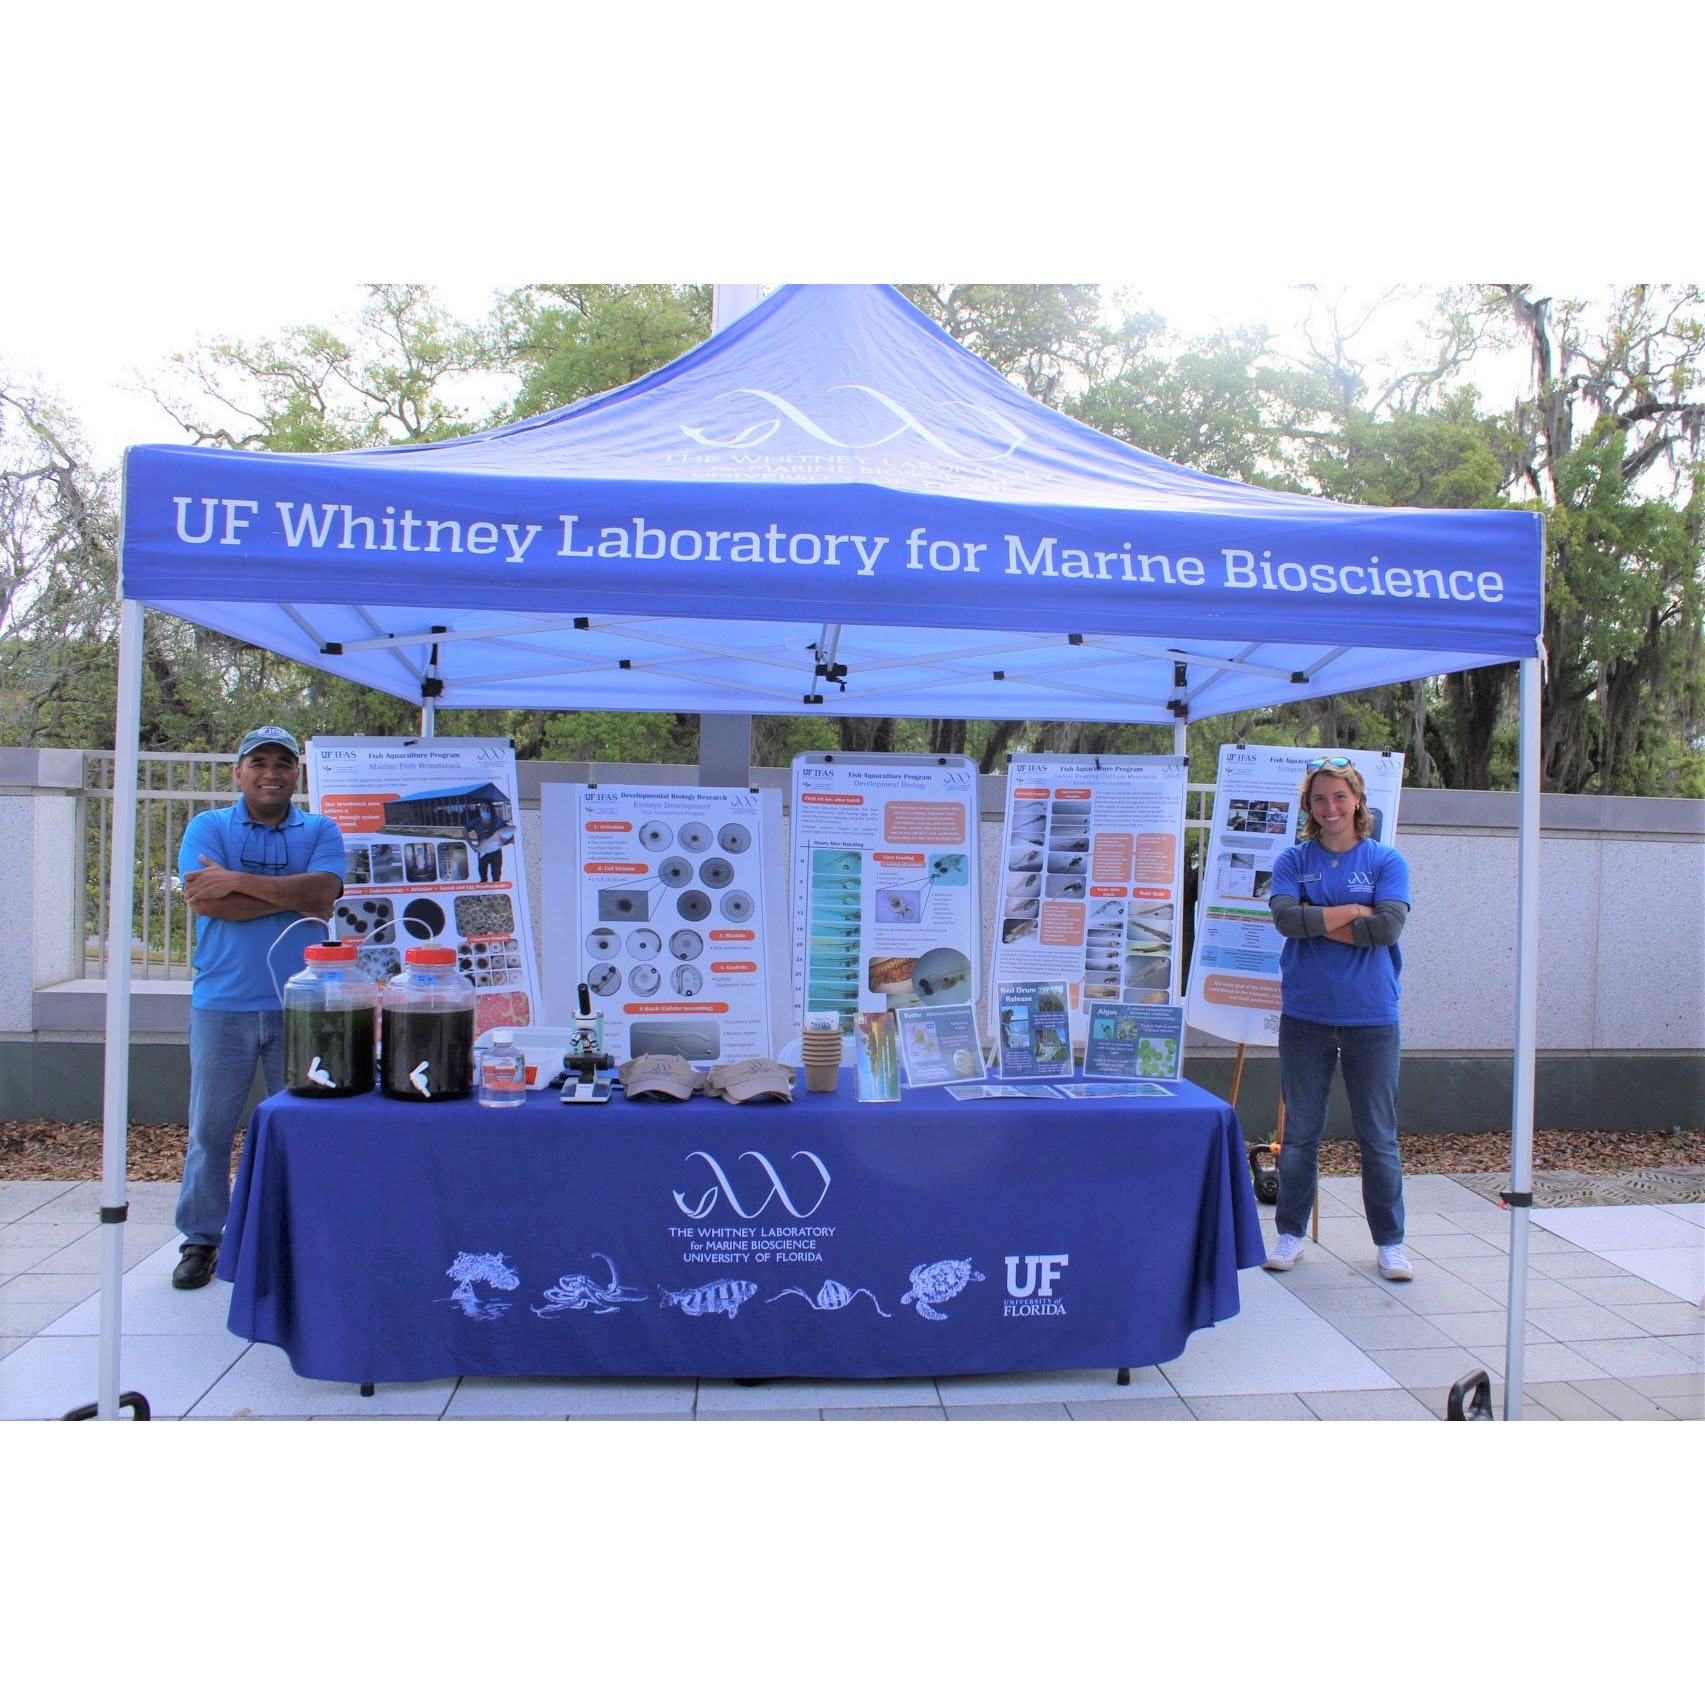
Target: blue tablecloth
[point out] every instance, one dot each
(380, 1240)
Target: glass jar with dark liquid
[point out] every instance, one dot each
(330, 1008)
(426, 1042)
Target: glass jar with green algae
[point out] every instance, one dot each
(330, 1019)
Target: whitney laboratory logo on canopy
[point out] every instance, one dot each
(1005, 435)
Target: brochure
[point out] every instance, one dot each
(938, 1044)
(1002, 1092)
(878, 1056)
(1134, 1041)
(1033, 1030)
(1101, 1091)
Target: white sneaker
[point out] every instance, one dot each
(1393, 1263)
(1286, 1253)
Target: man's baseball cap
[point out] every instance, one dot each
(268, 737)
(752, 1080)
(660, 1074)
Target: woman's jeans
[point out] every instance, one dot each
(224, 1048)
(1369, 1054)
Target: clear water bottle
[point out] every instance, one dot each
(503, 1072)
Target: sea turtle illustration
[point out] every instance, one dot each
(939, 1281)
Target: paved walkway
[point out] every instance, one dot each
(1614, 1333)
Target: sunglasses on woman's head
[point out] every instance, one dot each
(1325, 763)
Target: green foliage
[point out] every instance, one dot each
(1214, 406)
(310, 389)
(571, 341)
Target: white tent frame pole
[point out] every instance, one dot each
(115, 1092)
(725, 738)
(1527, 1023)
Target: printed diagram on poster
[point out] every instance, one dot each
(884, 890)
(938, 1044)
(1134, 1041)
(1234, 971)
(1033, 1030)
(432, 838)
(1091, 878)
(669, 932)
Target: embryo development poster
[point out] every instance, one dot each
(661, 909)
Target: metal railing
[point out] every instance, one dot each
(171, 788)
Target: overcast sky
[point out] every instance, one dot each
(198, 171)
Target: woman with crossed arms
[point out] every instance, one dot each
(1340, 900)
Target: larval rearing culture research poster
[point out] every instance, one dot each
(432, 836)
(1234, 971)
(884, 884)
(1091, 878)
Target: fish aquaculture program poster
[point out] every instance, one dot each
(432, 835)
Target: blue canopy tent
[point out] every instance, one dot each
(828, 506)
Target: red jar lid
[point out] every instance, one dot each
(331, 953)
(430, 955)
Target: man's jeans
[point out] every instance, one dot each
(1308, 1054)
(223, 1050)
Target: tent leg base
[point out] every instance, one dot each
(1123, 1377)
(367, 1391)
(134, 1401)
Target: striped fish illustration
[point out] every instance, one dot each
(724, 1297)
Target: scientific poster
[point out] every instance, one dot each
(884, 884)
(1091, 878)
(432, 836)
(665, 918)
(1234, 971)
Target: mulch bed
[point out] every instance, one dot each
(43, 1149)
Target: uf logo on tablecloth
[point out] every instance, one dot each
(723, 1189)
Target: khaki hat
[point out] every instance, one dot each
(660, 1074)
(752, 1080)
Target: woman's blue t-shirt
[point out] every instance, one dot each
(1324, 981)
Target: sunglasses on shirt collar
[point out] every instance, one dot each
(264, 850)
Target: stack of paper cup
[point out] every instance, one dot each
(820, 1054)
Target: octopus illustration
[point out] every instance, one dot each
(470, 1270)
(723, 1297)
(938, 1281)
(581, 1290)
(833, 1294)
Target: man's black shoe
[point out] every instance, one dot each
(196, 1267)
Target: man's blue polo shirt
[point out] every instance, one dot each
(235, 960)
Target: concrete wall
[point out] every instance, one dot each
(1622, 959)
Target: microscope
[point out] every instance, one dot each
(587, 1071)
